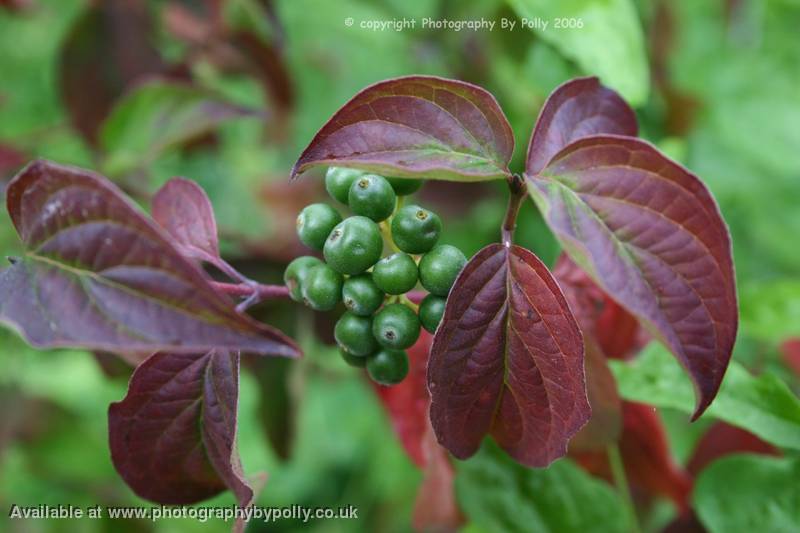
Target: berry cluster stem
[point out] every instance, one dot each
(516, 186)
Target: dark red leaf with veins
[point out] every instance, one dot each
(576, 109)
(183, 209)
(417, 126)
(649, 232)
(507, 360)
(99, 274)
(173, 436)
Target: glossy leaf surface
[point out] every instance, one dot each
(99, 274)
(417, 126)
(649, 232)
(507, 360)
(173, 436)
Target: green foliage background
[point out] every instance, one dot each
(722, 97)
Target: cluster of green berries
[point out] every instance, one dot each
(380, 323)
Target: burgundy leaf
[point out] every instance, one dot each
(183, 209)
(578, 108)
(649, 232)
(723, 439)
(110, 46)
(507, 360)
(417, 126)
(100, 275)
(615, 331)
(173, 436)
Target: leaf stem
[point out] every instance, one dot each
(621, 482)
(252, 292)
(516, 186)
(386, 233)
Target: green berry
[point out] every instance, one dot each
(388, 367)
(315, 223)
(431, 309)
(295, 275)
(353, 333)
(396, 274)
(396, 327)
(353, 360)
(354, 245)
(404, 186)
(361, 296)
(338, 181)
(372, 196)
(322, 289)
(439, 268)
(415, 230)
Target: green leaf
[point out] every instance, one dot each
(159, 116)
(771, 311)
(501, 495)
(745, 493)
(763, 405)
(608, 41)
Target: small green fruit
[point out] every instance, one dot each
(322, 289)
(372, 196)
(396, 327)
(338, 181)
(404, 186)
(315, 223)
(353, 360)
(388, 367)
(396, 274)
(439, 268)
(415, 230)
(431, 310)
(353, 333)
(295, 275)
(361, 296)
(353, 246)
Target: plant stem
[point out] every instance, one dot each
(516, 186)
(386, 233)
(621, 482)
(252, 292)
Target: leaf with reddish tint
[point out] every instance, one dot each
(645, 452)
(723, 439)
(507, 360)
(791, 354)
(407, 402)
(183, 209)
(436, 507)
(98, 274)
(615, 331)
(578, 108)
(109, 47)
(605, 424)
(649, 232)
(173, 436)
(417, 126)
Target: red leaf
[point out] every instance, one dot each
(173, 436)
(417, 126)
(507, 360)
(605, 425)
(723, 439)
(791, 354)
(649, 466)
(649, 232)
(183, 209)
(436, 507)
(407, 403)
(110, 46)
(612, 328)
(576, 109)
(100, 275)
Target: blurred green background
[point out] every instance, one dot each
(716, 85)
